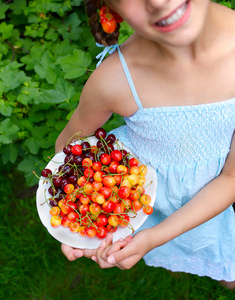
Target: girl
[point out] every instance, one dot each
(173, 81)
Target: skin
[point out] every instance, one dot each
(191, 51)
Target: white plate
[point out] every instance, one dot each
(63, 234)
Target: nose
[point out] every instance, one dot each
(152, 5)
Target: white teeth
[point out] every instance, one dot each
(178, 14)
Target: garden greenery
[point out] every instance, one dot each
(46, 55)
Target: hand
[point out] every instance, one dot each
(124, 254)
(75, 253)
(101, 257)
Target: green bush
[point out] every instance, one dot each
(46, 55)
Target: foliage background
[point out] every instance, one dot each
(46, 55)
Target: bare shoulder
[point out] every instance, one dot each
(226, 18)
(108, 83)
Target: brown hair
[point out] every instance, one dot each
(101, 37)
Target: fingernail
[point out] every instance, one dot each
(77, 254)
(111, 259)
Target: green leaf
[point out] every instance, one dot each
(226, 3)
(18, 6)
(76, 2)
(76, 64)
(35, 30)
(4, 49)
(9, 153)
(63, 92)
(51, 34)
(34, 57)
(114, 122)
(52, 74)
(28, 165)
(46, 69)
(38, 139)
(7, 131)
(27, 95)
(11, 78)
(5, 108)
(6, 30)
(32, 145)
(3, 9)
(64, 48)
(72, 20)
(26, 124)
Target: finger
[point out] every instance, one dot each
(109, 239)
(128, 238)
(89, 252)
(118, 256)
(116, 247)
(100, 256)
(71, 253)
(94, 258)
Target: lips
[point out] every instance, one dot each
(176, 19)
(178, 14)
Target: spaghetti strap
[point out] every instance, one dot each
(129, 79)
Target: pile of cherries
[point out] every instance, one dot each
(97, 188)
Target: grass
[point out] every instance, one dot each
(33, 267)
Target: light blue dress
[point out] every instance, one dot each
(188, 146)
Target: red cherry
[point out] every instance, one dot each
(67, 149)
(116, 16)
(111, 138)
(113, 166)
(133, 162)
(105, 159)
(76, 150)
(90, 231)
(52, 191)
(108, 206)
(116, 155)
(148, 210)
(46, 172)
(124, 192)
(123, 220)
(79, 158)
(101, 232)
(86, 147)
(69, 159)
(102, 220)
(91, 156)
(57, 181)
(100, 133)
(109, 26)
(111, 228)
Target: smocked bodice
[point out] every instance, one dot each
(182, 135)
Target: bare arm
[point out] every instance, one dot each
(92, 112)
(214, 198)
(101, 96)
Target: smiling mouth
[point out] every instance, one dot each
(174, 17)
